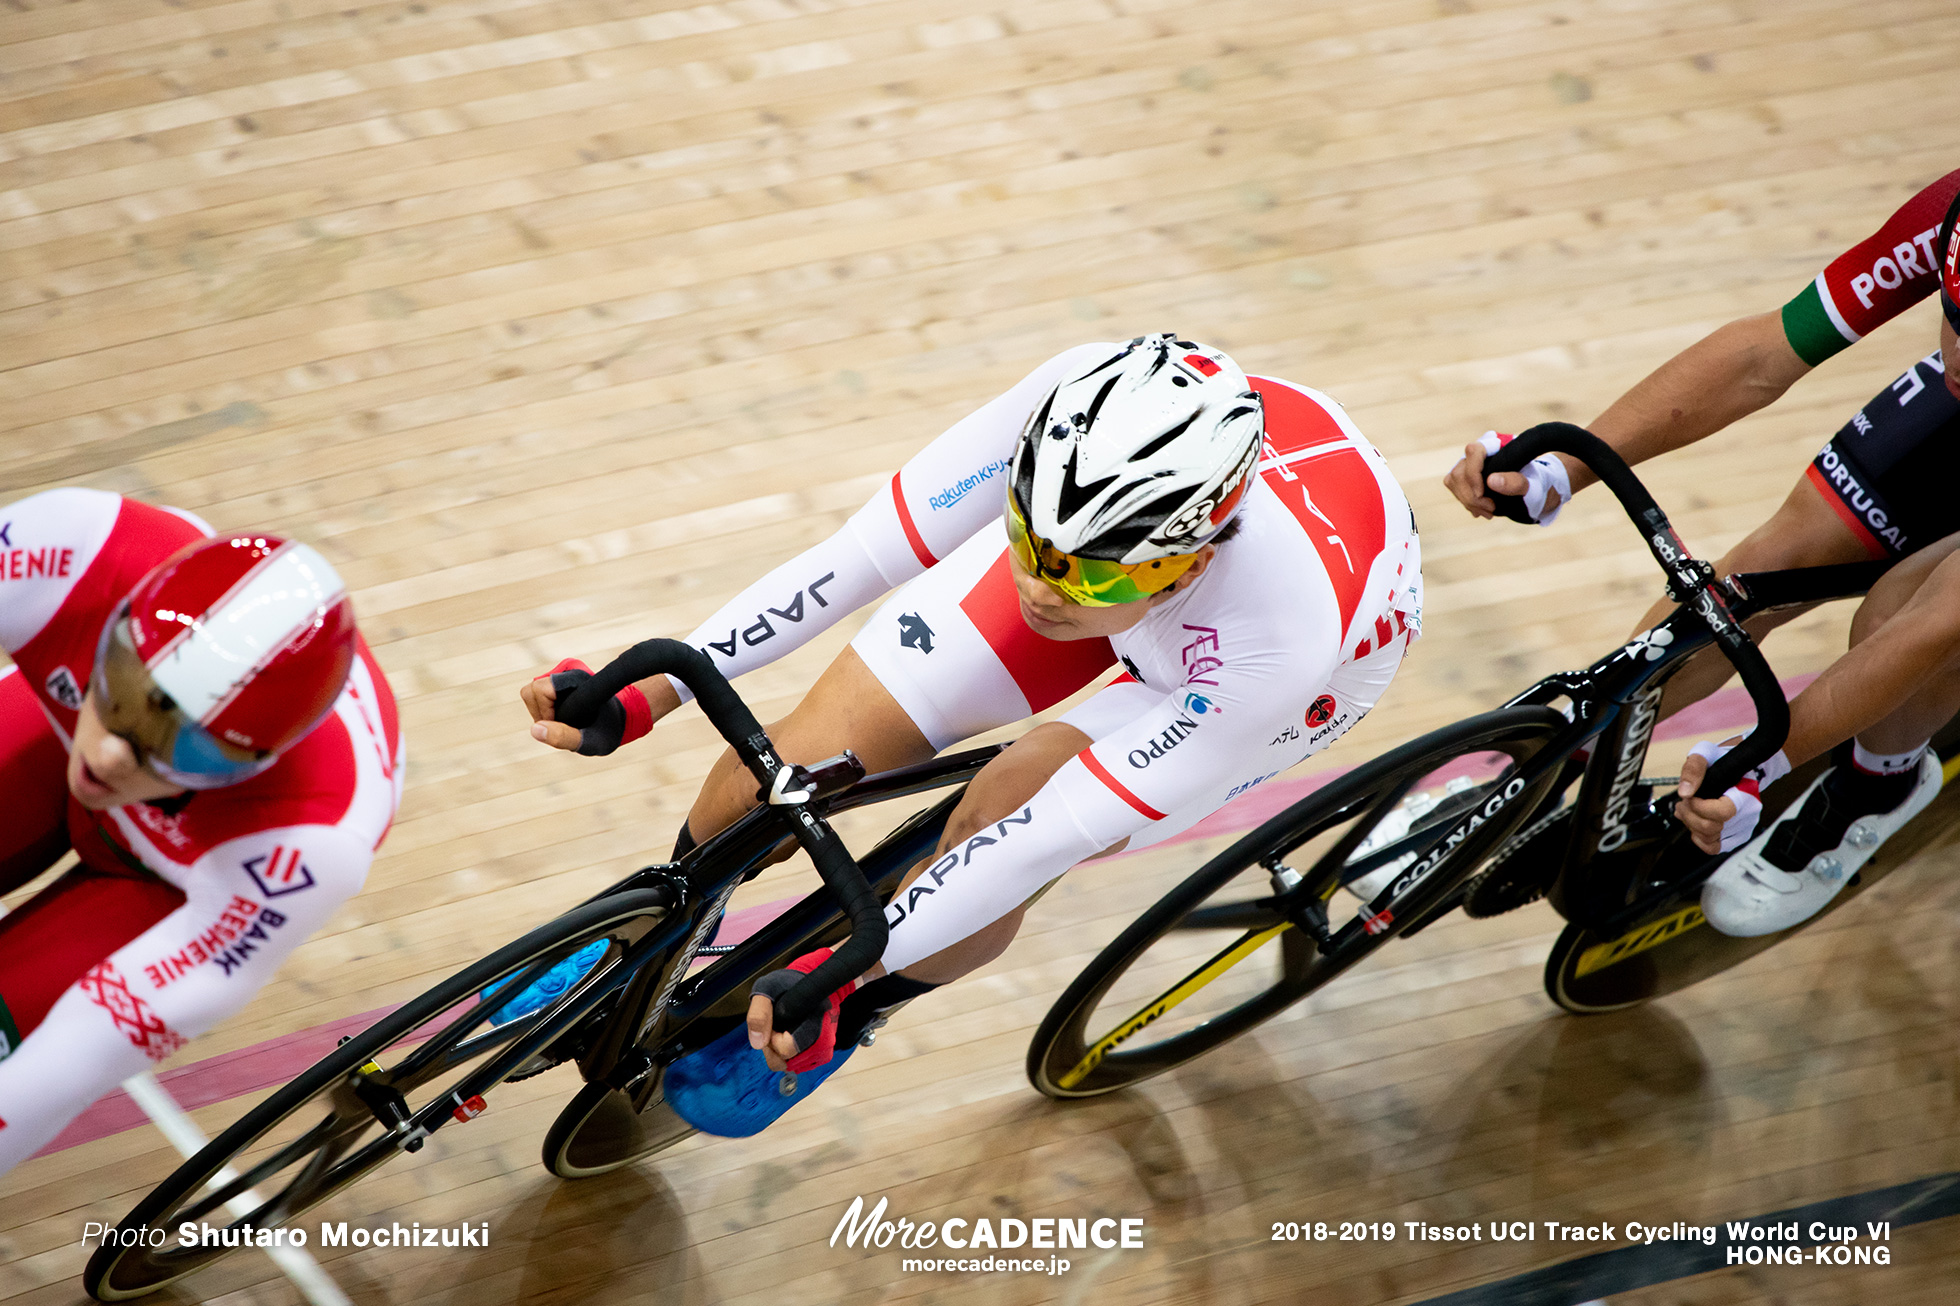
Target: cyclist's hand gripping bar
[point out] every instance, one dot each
(1689, 581)
(782, 788)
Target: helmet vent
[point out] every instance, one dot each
(1073, 497)
(1165, 438)
(1083, 421)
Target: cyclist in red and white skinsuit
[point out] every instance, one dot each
(1276, 635)
(186, 899)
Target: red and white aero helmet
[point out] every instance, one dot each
(233, 649)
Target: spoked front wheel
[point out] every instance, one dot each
(379, 1093)
(1264, 923)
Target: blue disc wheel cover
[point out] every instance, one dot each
(550, 986)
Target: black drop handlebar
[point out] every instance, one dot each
(782, 789)
(1689, 580)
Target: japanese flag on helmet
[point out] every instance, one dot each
(1144, 455)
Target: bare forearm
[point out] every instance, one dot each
(660, 695)
(1725, 376)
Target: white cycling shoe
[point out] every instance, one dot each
(1749, 897)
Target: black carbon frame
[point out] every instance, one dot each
(1606, 698)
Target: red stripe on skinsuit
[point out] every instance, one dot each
(1046, 671)
(1101, 773)
(912, 535)
(1865, 537)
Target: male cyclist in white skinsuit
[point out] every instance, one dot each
(1233, 542)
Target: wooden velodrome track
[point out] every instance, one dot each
(554, 323)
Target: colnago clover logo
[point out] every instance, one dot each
(1652, 643)
(1188, 520)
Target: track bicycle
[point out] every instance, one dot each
(1474, 815)
(428, 1066)
(1432, 812)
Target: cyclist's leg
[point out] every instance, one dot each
(1003, 786)
(1876, 490)
(1803, 532)
(118, 969)
(945, 658)
(1928, 581)
(1909, 657)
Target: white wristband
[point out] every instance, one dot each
(1746, 795)
(1543, 476)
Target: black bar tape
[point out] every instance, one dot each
(608, 728)
(1687, 577)
(729, 715)
(775, 986)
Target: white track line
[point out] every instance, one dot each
(313, 1282)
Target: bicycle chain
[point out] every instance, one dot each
(1487, 895)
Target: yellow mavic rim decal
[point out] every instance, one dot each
(1638, 940)
(1674, 925)
(1184, 988)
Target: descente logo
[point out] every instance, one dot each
(873, 1230)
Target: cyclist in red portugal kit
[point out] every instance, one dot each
(1232, 544)
(1899, 683)
(198, 719)
(1881, 488)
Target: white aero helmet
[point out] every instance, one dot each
(1144, 456)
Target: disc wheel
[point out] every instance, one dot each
(377, 1094)
(1671, 945)
(599, 1131)
(1264, 923)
